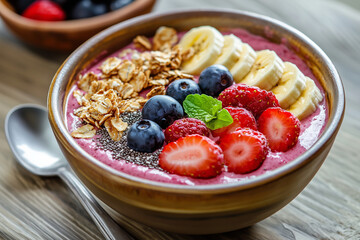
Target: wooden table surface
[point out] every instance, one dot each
(33, 207)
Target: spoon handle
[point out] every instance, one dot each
(108, 227)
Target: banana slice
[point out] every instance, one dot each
(230, 52)
(307, 103)
(290, 85)
(244, 63)
(266, 71)
(207, 43)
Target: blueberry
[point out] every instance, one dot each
(163, 110)
(145, 136)
(214, 79)
(180, 88)
(116, 4)
(86, 9)
(21, 5)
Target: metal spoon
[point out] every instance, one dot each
(30, 138)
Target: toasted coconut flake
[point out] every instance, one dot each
(159, 82)
(111, 95)
(141, 101)
(127, 52)
(86, 80)
(134, 105)
(138, 82)
(104, 106)
(134, 95)
(95, 86)
(158, 90)
(119, 124)
(126, 71)
(142, 42)
(127, 90)
(79, 96)
(85, 131)
(81, 110)
(164, 39)
(115, 84)
(104, 118)
(111, 129)
(161, 58)
(110, 65)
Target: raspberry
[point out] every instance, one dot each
(184, 127)
(252, 98)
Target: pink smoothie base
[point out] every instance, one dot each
(311, 128)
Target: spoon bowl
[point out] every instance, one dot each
(32, 141)
(30, 138)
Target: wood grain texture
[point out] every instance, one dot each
(329, 208)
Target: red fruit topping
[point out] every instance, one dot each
(44, 10)
(242, 119)
(252, 98)
(280, 127)
(184, 127)
(244, 150)
(194, 156)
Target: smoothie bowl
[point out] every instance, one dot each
(135, 64)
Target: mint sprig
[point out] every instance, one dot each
(207, 109)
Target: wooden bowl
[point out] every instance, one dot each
(69, 34)
(196, 209)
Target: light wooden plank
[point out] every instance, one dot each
(329, 208)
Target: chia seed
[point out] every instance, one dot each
(120, 150)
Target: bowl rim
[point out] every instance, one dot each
(74, 25)
(332, 128)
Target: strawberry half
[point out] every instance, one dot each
(242, 119)
(44, 10)
(244, 150)
(280, 127)
(194, 156)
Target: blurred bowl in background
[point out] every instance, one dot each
(69, 34)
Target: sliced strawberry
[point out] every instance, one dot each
(44, 10)
(194, 156)
(280, 127)
(242, 119)
(244, 150)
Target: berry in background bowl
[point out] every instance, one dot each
(228, 188)
(43, 10)
(60, 10)
(62, 25)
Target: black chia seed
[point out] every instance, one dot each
(120, 150)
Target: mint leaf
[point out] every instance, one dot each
(207, 109)
(202, 107)
(223, 119)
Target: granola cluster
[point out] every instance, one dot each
(104, 97)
